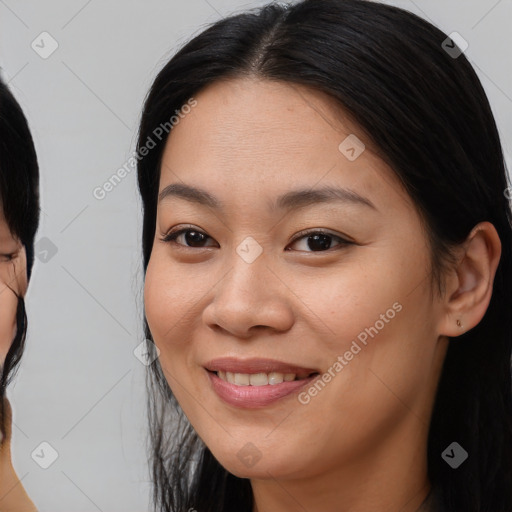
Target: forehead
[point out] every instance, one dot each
(262, 116)
(252, 132)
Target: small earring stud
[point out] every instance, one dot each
(459, 323)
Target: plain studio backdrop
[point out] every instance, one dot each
(80, 70)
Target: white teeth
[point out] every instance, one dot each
(256, 379)
(241, 379)
(275, 378)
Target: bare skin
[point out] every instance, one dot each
(13, 282)
(13, 497)
(360, 443)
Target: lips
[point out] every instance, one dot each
(250, 366)
(256, 383)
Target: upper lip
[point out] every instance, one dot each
(256, 365)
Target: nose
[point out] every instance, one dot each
(250, 297)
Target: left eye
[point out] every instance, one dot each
(316, 241)
(8, 257)
(319, 241)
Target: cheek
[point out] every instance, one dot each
(8, 306)
(374, 317)
(169, 302)
(160, 303)
(21, 273)
(350, 304)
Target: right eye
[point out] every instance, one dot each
(193, 238)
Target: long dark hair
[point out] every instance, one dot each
(19, 199)
(428, 114)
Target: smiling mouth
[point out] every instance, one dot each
(261, 379)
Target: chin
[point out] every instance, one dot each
(250, 462)
(259, 471)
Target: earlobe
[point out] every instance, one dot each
(472, 281)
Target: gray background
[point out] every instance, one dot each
(80, 387)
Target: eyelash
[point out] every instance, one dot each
(8, 257)
(173, 235)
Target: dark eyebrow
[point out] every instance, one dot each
(291, 200)
(192, 194)
(301, 198)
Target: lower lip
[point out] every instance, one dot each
(253, 397)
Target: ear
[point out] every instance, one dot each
(469, 285)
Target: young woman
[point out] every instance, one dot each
(327, 250)
(19, 216)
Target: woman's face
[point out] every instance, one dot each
(251, 290)
(13, 280)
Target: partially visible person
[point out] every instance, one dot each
(328, 264)
(19, 218)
